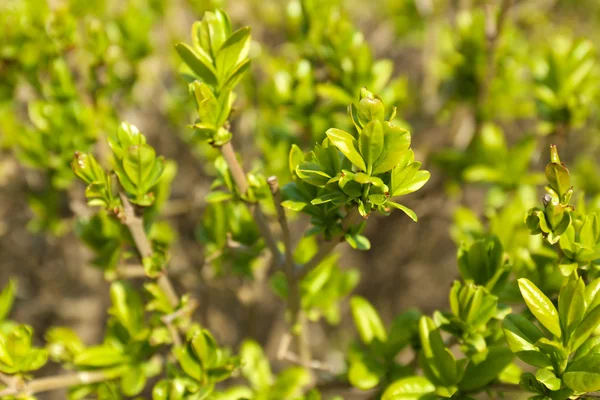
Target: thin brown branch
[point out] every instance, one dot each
(242, 183)
(281, 218)
(350, 219)
(136, 227)
(168, 320)
(298, 326)
(187, 310)
(130, 271)
(57, 382)
(311, 364)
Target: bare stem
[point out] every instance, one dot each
(130, 271)
(136, 227)
(242, 183)
(281, 218)
(350, 219)
(58, 382)
(294, 296)
(311, 364)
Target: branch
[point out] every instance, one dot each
(351, 218)
(242, 183)
(136, 227)
(293, 282)
(130, 271)
(58, 382)
(168, 320)
(281, 218)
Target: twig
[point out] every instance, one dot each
(186, 310)
(294, 296)
(281, 218)
(136, 227)
(130, 271)
(59, 382)
(312, 364)
(350, 219)
(170, 318)
(242, 183)
(7, 380)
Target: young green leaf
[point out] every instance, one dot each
(367, 320)
(583, 375)
(370, 143)
(411, 388)
(233, 51)
(7, 297)
(540, 306)
(198, 63)
(571, 305)
(346, 143)
(478, 375)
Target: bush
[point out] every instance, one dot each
(331, 123)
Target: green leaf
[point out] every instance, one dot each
(63, 344)
(233, 51)
(571, 305)
(367, 320)
(412, 215)
(583, 375)
(133, 380)
(527, 332)
(100, 356)
(481, 261)
(346, 143)
(127, 307)
(583, 331)
(218, 197)
(406, 177)
(198, 63)
(17, 355)
(370, 109)
(472, 304)
(138, 162)
(547, 377)
(205, 348)
(437, 360)
(7, 297)
(521, 336)
(364, 372)
(559, 178)
(370, 143)
(540, 306)
(235, 76)
(255, 366)
(87, 168)
(358, 242)
(295, 158)
(478, 375)
(189, 362)
(312, 173)
(169, 390)
(411, 388)
(336, 197)
(289, 383)
(396, 142)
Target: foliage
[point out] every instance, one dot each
(524, 311)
